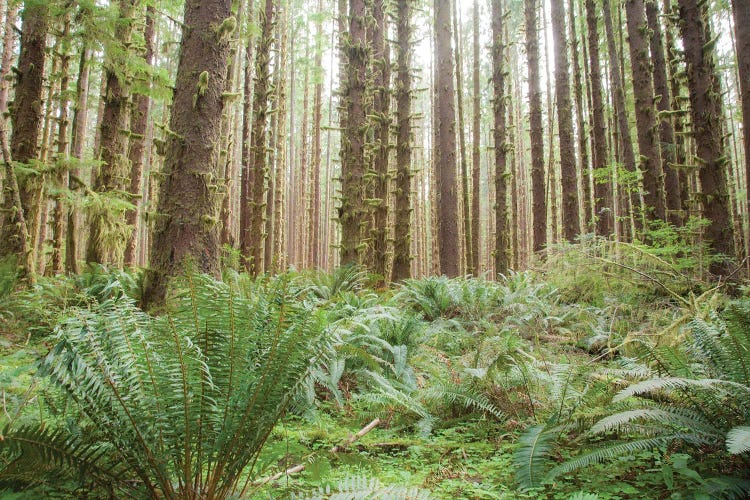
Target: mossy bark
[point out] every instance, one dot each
(402, 227)
(502, 229)
(187, 232)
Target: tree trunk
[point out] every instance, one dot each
(381, 61)
(645, 113)
(583, 149)
(538, 186)
(502, 229)
(80, 119)
(741, 11)
(187, 231)
(602, 175)
(618, 94)
(706, 113)
(352, 212)
(402, 227)
(571, 221)
(314, 257)
(9, 39)
(445, 146)
(26, 118)
(137, 153)
(255, 233)
(476, 155)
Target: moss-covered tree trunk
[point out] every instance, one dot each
(707, 116)
(381, 70)
(8, 53)
(580, 117)
(187, 230)
(138, 131)
(664, 107)
(108, 235)
(476, 155)
(741, 12)
(645, 112)
(315, 258)
(353, 212)
(26, 120)
(402, 228)
(254, 235)
(536, 130)
(502, 229)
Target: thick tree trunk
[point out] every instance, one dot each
(706, 113)
(352, 212)
(247, 117)
(187, 231)
(502, 229)
(108, 237)
(741, 11)
(445, 147)
(26, 119)
(645, 113)
(602, 182)
(402, 227)
(538, 186)
(571, 222)
(381, 61)
(137, 153)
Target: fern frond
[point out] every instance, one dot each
(532, 454)
(738, 440)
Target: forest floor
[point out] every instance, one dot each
(594, 377)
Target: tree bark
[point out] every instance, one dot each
(187, 231)
(445, 147)
(352, 212)
(571, 222)
(402, 228)
(538, 186)
(26, 119)
(706, 113)
(502, 229)
(645, 113)
(476, 155)
(741, 12)
(9, 39)
(315, 251)
(138, 129)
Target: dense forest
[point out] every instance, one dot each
(375, 248)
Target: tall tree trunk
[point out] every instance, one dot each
(26, 118)
(445, 146)
(536, 128)
(571, 222)
(138, 128)
(9, 39)
(80, 119)
(255, 233)
(464, 167)
(618, 93)
(108, 237)
(706, 113)
(663, 106)
(381, 61)
(60, 216)
(741, 12)
(188, 233)
(402, 228)
(476, 155)
(502, 229)
(245, 236)
(352, 212)
(603, 181)
(645, 113)
(315, 257)
(578, 91)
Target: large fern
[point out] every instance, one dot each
(185, 401)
